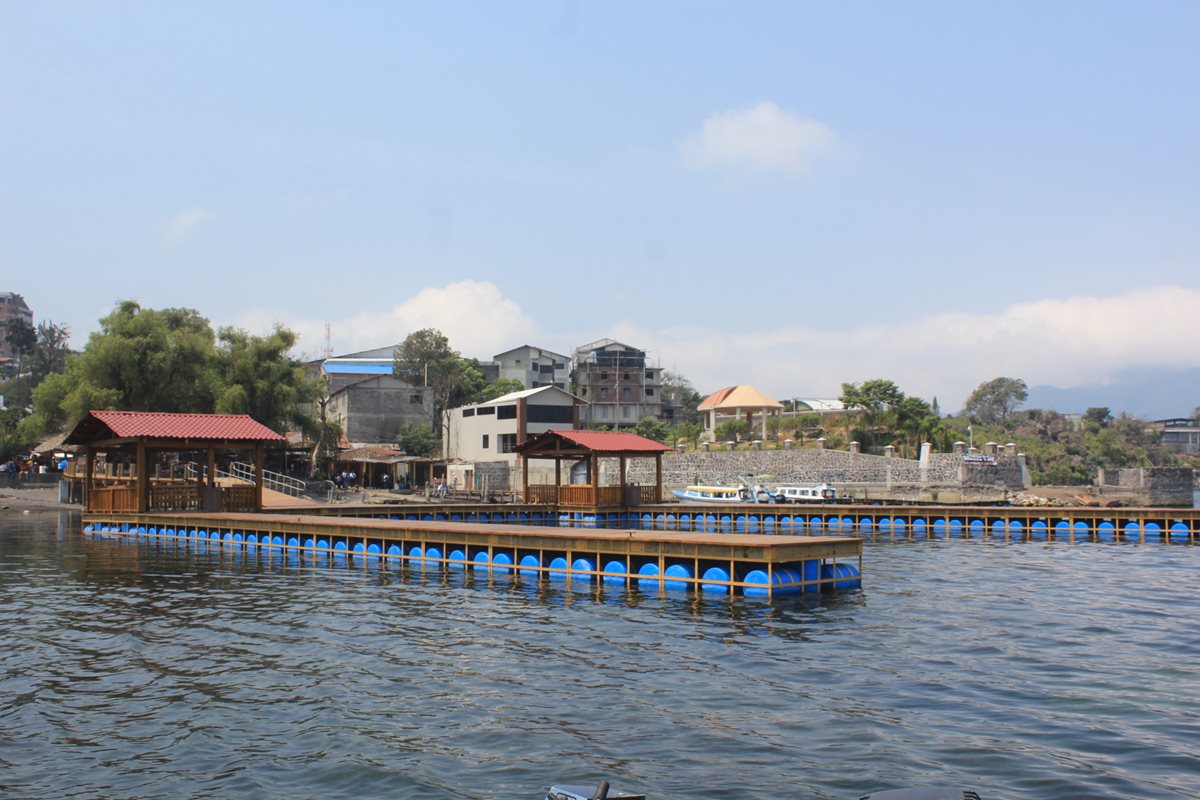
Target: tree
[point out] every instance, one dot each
(499, 388)
(256, 376)
(425, 358)
(416, 440)
(681, 397)
(50, 352)
(874, 398)
(654, 429)
(1098, 417)
(996, 400)
(732, 430)
(21, 338)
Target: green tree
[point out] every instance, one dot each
(256, 376)
(732, 430)
(654, 429)
(996, 400)
(873, 398)
(499, 388)
(416, 440)
(425, 358)
(1097, 417)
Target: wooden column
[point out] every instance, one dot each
(143, 478)
(524, 477)
(212, 465)
(259, 476)
(87, 479)
(658, 494)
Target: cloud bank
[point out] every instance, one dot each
(1062, 342)
(762, 138)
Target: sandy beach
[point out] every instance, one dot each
(35, 499)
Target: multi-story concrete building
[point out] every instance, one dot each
(486, 433)
(533, 366)
(617, 382)
(373, 409)
(12, 306)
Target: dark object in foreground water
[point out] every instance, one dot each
(938, 793)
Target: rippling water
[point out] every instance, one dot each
(1025, 670)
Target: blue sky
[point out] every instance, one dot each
(786, 194)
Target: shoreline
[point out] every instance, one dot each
(41, 498)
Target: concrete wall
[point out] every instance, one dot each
(373, 411)
(942, 478)
(1153, 486)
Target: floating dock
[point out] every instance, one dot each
(731, 564)
(1011, 522)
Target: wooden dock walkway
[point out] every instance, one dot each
(749, 564)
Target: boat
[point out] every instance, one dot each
(603, 791)
(743, 493)
(713, 494)
(820, 493)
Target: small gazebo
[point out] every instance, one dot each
(589, 447)
(135, 439)
(737, 401)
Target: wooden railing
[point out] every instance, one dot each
(121, 499)
(584, 495)
(185, 497)
(543, 494)
(239, 498)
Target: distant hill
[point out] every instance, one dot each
(1146, 392)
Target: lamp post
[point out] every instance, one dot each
(970, 437)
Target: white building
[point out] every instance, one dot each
(486, 433)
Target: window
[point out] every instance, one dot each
(485, 411)
(506, 442)
(627, 412)
(603, 392)
(550, 414)
(626, 393)
(468, 412)
(506, 412)
(415, 398)
(485, 442)
(624, 376)
(649, 375)
(603, 376)
(649, 392)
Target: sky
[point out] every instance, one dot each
(792, 195)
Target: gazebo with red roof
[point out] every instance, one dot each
(145, 434)
(590, 447)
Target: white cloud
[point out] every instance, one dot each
(185, 223)
(475, 316)
(764, 137)
(1064, 342)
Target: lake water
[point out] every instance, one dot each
(1022, 669)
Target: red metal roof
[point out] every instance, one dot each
(135, 424)
(610, 441)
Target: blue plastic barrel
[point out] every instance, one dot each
(1038, 529)
(715, 574)
(433, 553)
(359, 547)
(501, 562)
(1106, 531)
(558, 568)
(919, 526)
(415, 552)
(481, 561)
(394, 550)
(1133, 531)
(457, 559)
(583, 565)
(529, 564)
(677, 571)
(845, 576)
(614, 573)
(339, 546)
(374, 549)
(939, 528)
(1153, 531)
(763, 582)
(1080, 530)
(1180, 530)
(648, 577)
